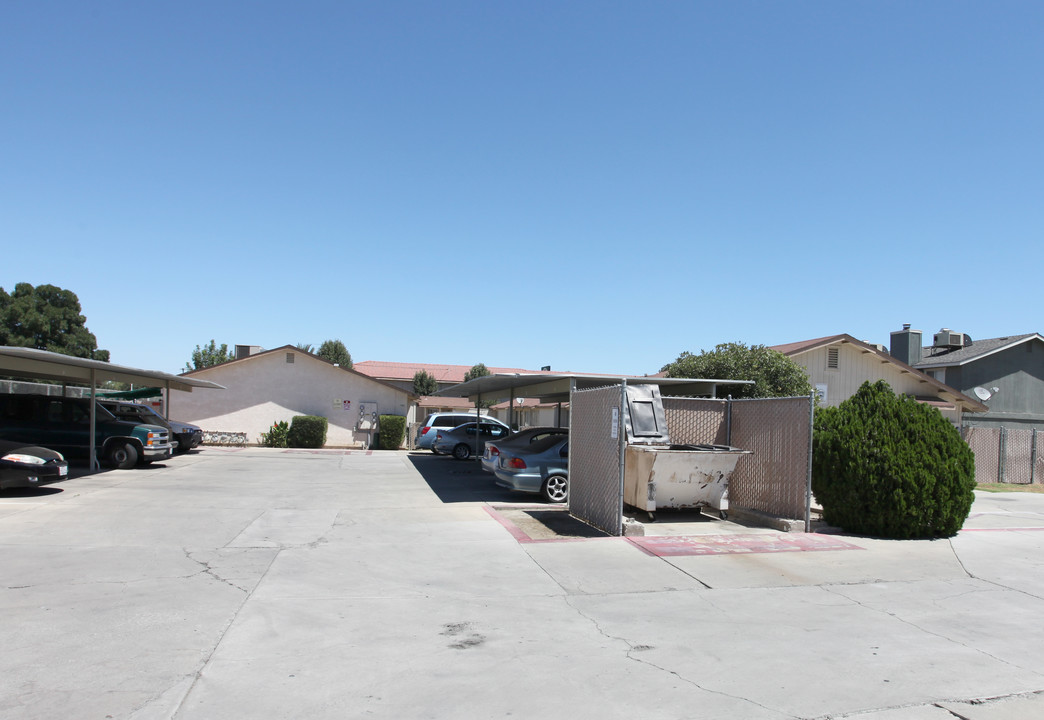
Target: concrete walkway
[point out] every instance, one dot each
(255, 583)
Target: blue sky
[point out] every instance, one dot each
(596, 186)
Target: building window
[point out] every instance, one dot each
(833, 358)
(290, 358)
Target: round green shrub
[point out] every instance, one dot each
(307, 431)
(888, 466)
(392, 432)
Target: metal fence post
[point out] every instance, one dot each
(808, 481)
(728, 421)
(623, 447)
(1033, 457)
(1001, 456)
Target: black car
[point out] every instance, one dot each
(187, 435)
(24, 466)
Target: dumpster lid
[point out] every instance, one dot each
(646, 421)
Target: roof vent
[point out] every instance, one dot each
(947, 338)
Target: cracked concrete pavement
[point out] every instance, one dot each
(236, 583)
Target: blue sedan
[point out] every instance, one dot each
(541, 467)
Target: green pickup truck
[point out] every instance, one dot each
(63, 424)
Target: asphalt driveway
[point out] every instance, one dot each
(257, 583)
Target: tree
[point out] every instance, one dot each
(47, 317)
(306, 347)
(424, 383)
(334, 351)
(209, 356)
(477, 371)
(888, 466)
(773, 373)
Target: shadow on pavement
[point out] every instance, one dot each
(31, 491)
(456, 481)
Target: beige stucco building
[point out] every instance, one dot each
(839, 364)
(274, 385)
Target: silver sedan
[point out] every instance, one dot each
(466, 440)
(542, 467)
(518, 440)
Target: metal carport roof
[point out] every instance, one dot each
(37, 364)
(44, 365)
(555, 387)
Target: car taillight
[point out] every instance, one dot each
(493, 452)
(438, 436)
(424, 430)
(516, 463)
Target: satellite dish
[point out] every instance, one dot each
(982, 393)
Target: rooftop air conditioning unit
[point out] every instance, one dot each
(948, 339)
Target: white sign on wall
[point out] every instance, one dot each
(821, 393)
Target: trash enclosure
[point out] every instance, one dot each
(659, 474)
(771, 457)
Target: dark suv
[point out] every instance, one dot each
(64, 424)
(187, 435)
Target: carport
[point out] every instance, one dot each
(34, 364)
(598, 412)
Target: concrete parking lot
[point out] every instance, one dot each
(258, 583)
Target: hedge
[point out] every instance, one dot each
(392, 432)
(307, 431)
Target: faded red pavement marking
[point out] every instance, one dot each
(328, 452)
(680, 545)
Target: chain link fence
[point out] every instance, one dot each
(595, 443)
(1005, 455)
(697, 420)
(774, 479)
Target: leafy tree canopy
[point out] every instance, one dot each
(306, 347)
(208, 356)
(477, 371)
(773, 373)
(334, 351)
(424, 383)
(46, 317)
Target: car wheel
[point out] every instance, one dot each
(462, 452)
(556, 489)
(123, 456)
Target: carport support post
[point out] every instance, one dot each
(478, 426)
(95, 465)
